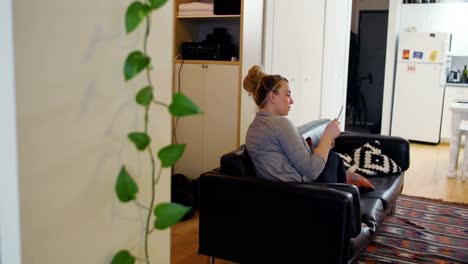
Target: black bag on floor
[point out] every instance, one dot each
(182, 193)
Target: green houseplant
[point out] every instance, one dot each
(137, 62)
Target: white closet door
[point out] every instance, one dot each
(287, 25)
(310, 61)
(308, 42)
(286, 47)
(335, 62)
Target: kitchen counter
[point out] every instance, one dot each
(457, 84)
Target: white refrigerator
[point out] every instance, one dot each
(422, 66)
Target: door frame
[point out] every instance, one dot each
(393, 29)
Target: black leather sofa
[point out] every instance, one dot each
(249, 220)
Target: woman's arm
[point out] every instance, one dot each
(308, 164)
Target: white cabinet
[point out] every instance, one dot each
(452, 94)
(439, 17)
(214, 88)
(308, 42)
(335, 58)
(294, 50)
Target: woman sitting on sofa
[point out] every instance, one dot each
(277, 150)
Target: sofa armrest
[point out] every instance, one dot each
(356, 209)
(396, 148)
(243, 218)
(352, 189)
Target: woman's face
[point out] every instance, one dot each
(283, 99)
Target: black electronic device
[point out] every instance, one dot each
(216, 46)
(199, 51)
(226, 7)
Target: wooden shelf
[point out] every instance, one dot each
(210, 16)
(219, 62)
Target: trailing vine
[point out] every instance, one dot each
(166, 214)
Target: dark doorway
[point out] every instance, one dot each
(366, 73)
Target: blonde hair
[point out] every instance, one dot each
(259, 84)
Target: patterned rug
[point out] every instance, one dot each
(421, 231)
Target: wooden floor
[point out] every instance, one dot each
(427, 175)
(425, 178)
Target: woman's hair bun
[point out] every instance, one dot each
(254, 76)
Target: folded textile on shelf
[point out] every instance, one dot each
(196, 6)
(195, 13)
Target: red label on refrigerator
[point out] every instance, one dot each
(406, 54)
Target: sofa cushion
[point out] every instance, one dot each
(387, 189)
(396, 148)
(359, 181)
(368, 160)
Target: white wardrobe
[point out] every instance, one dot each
(308, 42)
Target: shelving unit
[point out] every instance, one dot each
(214, 85)
(211, 16)
(197, 27)
(178, 61)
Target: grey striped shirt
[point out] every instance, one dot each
(278, 152)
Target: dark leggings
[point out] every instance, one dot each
(334, 171)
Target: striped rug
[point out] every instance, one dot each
(421, 231)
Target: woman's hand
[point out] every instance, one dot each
(331, 132)
(333, 129)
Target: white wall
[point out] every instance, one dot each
(10, 246)
(74, 111)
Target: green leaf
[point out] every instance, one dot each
(145, 96)
(136, 12)
(140, 139)
(182, 106)
(135, 63)
(123, 257)
(125, 187)
(168, 214)
(169, 155)
(155, 4)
